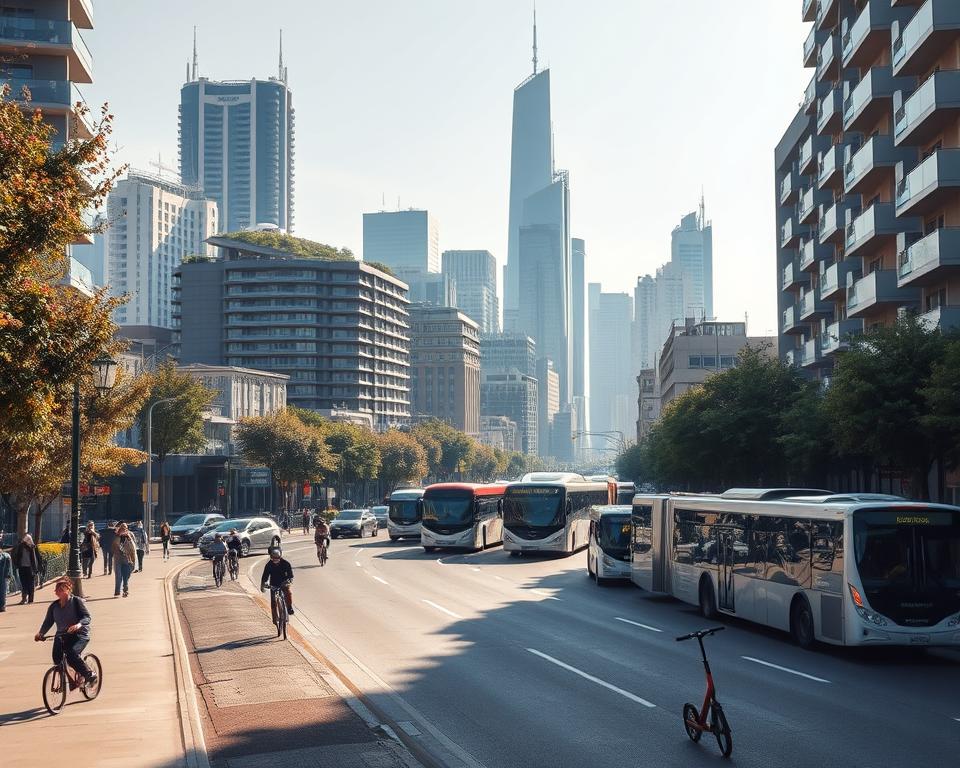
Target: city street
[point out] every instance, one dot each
(486, 659)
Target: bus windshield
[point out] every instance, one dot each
(533, 507)
(909, 563)
(448, 510)
(615, 532)
(404, 511)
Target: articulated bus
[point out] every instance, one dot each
(845, 569)
(462, 515)
(549, 512)
(608, 554)
(403, 515)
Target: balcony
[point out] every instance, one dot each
(809, 10)
(54, 97)
(810, 200)
(877, 290)
(810, 47)
(829, 112)
(929, 185)
(792, 356)
(815, 91)
(866, 38)
(828, 58)
(81, 11)
(791, 233)
(875, 227)
(932, 107)
(812, 307)
(810, 153)
(932, 29)
(837, 335)
(49, 38)
(829, 174)
(833, 221)
(812, 253)
(810, 355)
(926, 260)
(833, 281)
(790, 187)
(874, 159)
(869, 100)
(790, 324)
(826, 14)
(791, 278)
(945, 318)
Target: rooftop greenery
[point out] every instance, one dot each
(297, 246)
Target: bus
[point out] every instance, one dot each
(843, 569)
(608, 551)
(625, 493)
(462, 515)
(548, 512)
(403, 515)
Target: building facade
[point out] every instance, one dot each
(579, 333)
(474, 276)
(338, 328)
(648, 402)
(237, 145)
(548, 403)
(445, 367)
(499, 432)
(644, 320)
(513, 395)
(153, 224)
(691, 248)
(406, 241)
(502, 352)
(611, 378)
(866, 192)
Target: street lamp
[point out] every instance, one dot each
(148, 504)
(105, 375)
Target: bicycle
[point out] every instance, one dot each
(218, 569)
(234, 565)
(322, 554)
(694, 721)
(278, 608)
(59, 679)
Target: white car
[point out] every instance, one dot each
(255, 533)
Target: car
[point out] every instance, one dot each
(382, 513)
(190, 527)
(354, 522)
(255, 533)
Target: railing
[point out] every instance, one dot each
(45, 31)
(809, 44)
(923, 252)
(857, 32)
(913, 32)
(827, 55)
(925, 175)
(828, 162)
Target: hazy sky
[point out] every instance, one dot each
(412, 100)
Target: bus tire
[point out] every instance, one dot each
(483, 539)
(428, 550)
(801, 623)
(708, 601)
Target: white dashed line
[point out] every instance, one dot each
(500, 578)
(785, 669)
(5, 655)
(592, 679)
(544, 594)
(475, 569)
(357, 563)
(442, 609)
(638, 624)
(382, 581)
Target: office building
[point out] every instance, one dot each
(865, 178)
(501, 352)
(237, 145)
(499, 432)
(612, 381)
(445, 367)
(691, 247)
(578, 333)
(648, 402)
(644, 321)
(563, 447)
(154, 223)
(337, 327)
(514, 395)
(405, 241)
(548, 403)
(673, 294)
(474, 278)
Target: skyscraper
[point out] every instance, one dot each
(474, 275)
(408, 242)
(612, 384)
(237, 145)
(501, 352)
(691, 247)
(644, 319)
(578, 331)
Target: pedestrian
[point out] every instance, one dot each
(306, 520)
(26, 559)
(124, 558)
(65, 535)
(165, 539)
(89, 546)
(6, 568)
(106, 546)
(142, 542)
(285, 521)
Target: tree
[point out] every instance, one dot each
(402, 459)
(456, 447)
(177, 425)
(483, 464)
(356, 454)
(631, 463)
(941, 395)
(516, 465)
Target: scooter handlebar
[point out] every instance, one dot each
(701, 633)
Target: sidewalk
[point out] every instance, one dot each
(136, 719)
(264, 701)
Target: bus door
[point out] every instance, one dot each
(726, 560)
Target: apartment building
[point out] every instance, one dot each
(868, 189)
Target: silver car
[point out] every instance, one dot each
(254, 532)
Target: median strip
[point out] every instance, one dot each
(592, 679)
(785, 669)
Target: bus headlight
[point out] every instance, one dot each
(954, 621)
(865, 613)
(609, 562)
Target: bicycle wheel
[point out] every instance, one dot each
(278, 610)
(721, 729)
(217, 574)
(690, 715)
(90, 692)
(234, 569)
(323, 557)
(54, 690)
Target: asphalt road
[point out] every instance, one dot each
(497, 661)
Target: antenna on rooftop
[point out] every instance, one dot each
(194, 77)
(161, 166)
(534, 38)
(282, 71)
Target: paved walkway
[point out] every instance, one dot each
(136, 719)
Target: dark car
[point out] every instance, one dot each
(354, 522)
(189, 528)
(382, 513)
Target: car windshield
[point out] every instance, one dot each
(228, 525)
(380, 511)
(448, 510)
(404, 511)
(615, 531)
(531, 506)
(350, 514)
(191, 520)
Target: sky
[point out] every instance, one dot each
(410, 102)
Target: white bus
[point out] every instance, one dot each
(462, 515)
(404, 513)
(846, 569)
(548, 512)
(608, 552)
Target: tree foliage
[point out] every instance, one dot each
(456, 447)
(298, 246)
(402, 459)
(177, 425)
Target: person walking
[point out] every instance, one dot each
(106, 545)
(124, 558)
(6, 569)
(143, 544)
(89, 546)
(165, 539)
(306, 521)
(26, 559)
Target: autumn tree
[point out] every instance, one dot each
(402, 459)
(456, 447)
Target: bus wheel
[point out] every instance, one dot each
(514, 553)
(483, 539)
(801, 623)
(708, 603)
(589, 567)
(428, 549)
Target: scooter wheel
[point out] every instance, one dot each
(690, 716)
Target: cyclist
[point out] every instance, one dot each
(321, 535)
(217, 550)
(72, 618)
(279, 573)
(234, 545)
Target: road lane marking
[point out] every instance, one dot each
(5, 655)
(474, 569)
(442, 609)
(382, 581)
(638, 624)
(499, 577)
(592, 679)
(542, 593)
(785, 669)
(357, 563)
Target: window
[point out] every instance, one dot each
(695, 361)
(709, 361)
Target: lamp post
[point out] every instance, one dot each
(148, 496)
(105, 372)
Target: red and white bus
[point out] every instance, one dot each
(462, 516)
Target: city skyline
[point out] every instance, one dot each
(351, 165)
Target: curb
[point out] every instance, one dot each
(191, 729)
